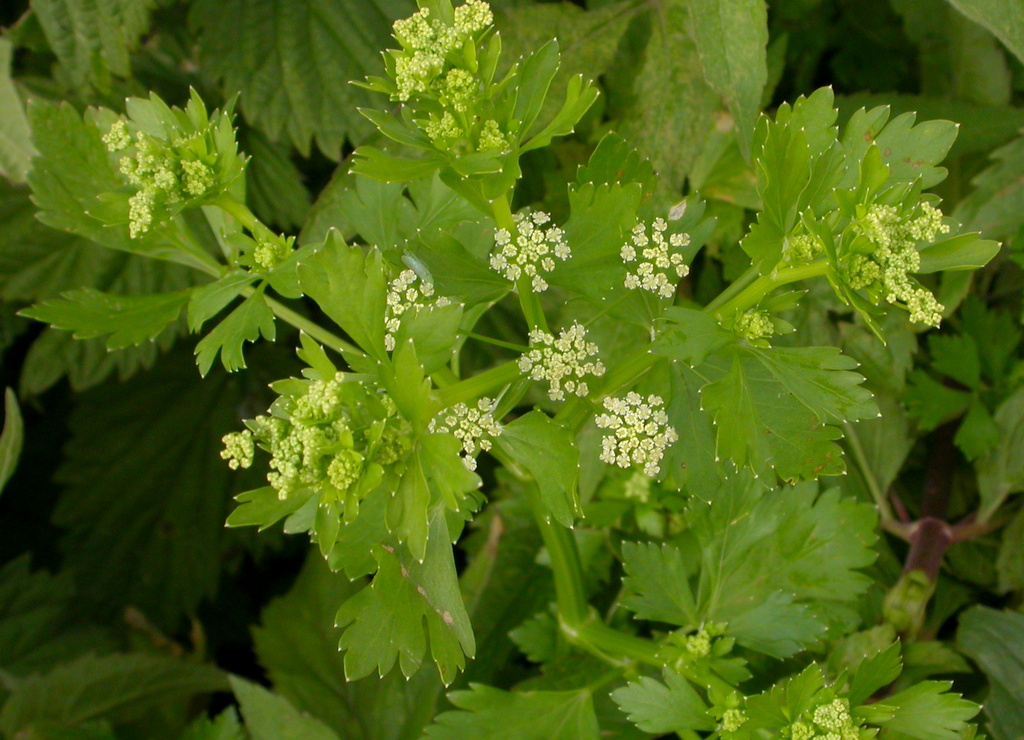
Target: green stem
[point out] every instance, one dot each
(311, 328)
(471, 389)
(237, 210)
(735, 288)
(565, 563)
(752, 294)
(496, 342)
(877, 494)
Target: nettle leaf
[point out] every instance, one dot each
(11, 439)
(384, 622)
(486, 713)
(292, 63)
(656, 707)
(271, 717)
(548, 450)
(993, 639)
(298, 645)
(349, 286)
(93, 39)
(671, 107)
(128, 320)
(772, 560)
(247, 323)
(793, 438)
(143, 463)
(16, 148)
(118, 687)
(732, 41)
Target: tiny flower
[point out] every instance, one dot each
(754, 324)
(239, 449)
(657, 263)
(491, 137)
(475, 428)
(404, 294)
(802, 248)
(531, 252)
(117, 138)
(563, 361)
(733, 719)
(638, 433)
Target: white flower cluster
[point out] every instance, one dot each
(830, 721)
(563, 361)
(429, 40)
(896, 256)
(404, 294)
(532, 251)
(639, 432)
(656, 260)
(474, 427)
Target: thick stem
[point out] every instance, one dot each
(238, 211)
(486, 382)
(758, 289)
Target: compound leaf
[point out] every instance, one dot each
(657, 585)
(247, 323)
(656, 707)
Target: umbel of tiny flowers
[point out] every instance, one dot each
(654, 258)
(531, 251)
(638, 432)
(891, 238)
(475, 428)
(563, 361)
(754, 325)
(407, 292)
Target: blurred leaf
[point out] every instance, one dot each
(16, 148)
(995, 206)
(93, 38)
(1004, 18)
(1001, 472)
(225, 727)
(11, 439)
(292, 63)
(117, 687)
(274, 185)
(270, 717)
(995, 641)
(732, 38)
(1010, 563)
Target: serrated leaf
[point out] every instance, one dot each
(993, 639)
(270, 717)
(209, 300)
(956, 356)
(655, 707)
(926, 711)
(1004, 18)
(546, 449)
(298, 645)
(247, 323)
(143, 462)
(117, 687)
(274, 186)
(486, 713)
(384, 622)
(11, 439)
(732, 39)
(994, 206)
(1001, 472)
(793, 438)
(93, 39)
(128, 320)
(293, 61)
(16, 148)
(656, 585)
(226, 726)
(875, 672)
(262, 507)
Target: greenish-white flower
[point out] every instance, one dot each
(475, 428)
(531, 251)
(653, 265)
(638, 432)
(563, 361)
(407, 292)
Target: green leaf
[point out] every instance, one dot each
(292, 63)
(129, 320)
(93, 39)
(961, 252)
(274, 187)
(298, 645)
(225, 727)
(1010, 563)
(486, 713)
(262, 507)
(244, 324)
(656, 585)
(772, 560)
(379, 212)
(384, 622)
(1001, 472)
(795, 438)
(11, 439)
(978, 432)
(993, 639)
(656, 707)
(118, 687)
(995, 206)
(693, 458)
(874, 673)
(926, 711)
(546, 449)
(956, 356)
(671, 106)
(209, 300)
(913, 152)
(143, 462)
(732, 39)
(1004, 18)
(348, 284)
(16, 148)
(536, 72)
(270, 717)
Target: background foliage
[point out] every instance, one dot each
(124, 602)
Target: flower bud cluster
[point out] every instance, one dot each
(801, 249)
(325, 437)
(405, 294)
(639, 432)
(894, 238)
(831, 721)
(174, 159)
(475, 428)
(754, 324)
(656, 263)
(531, 252)
(562, 361)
